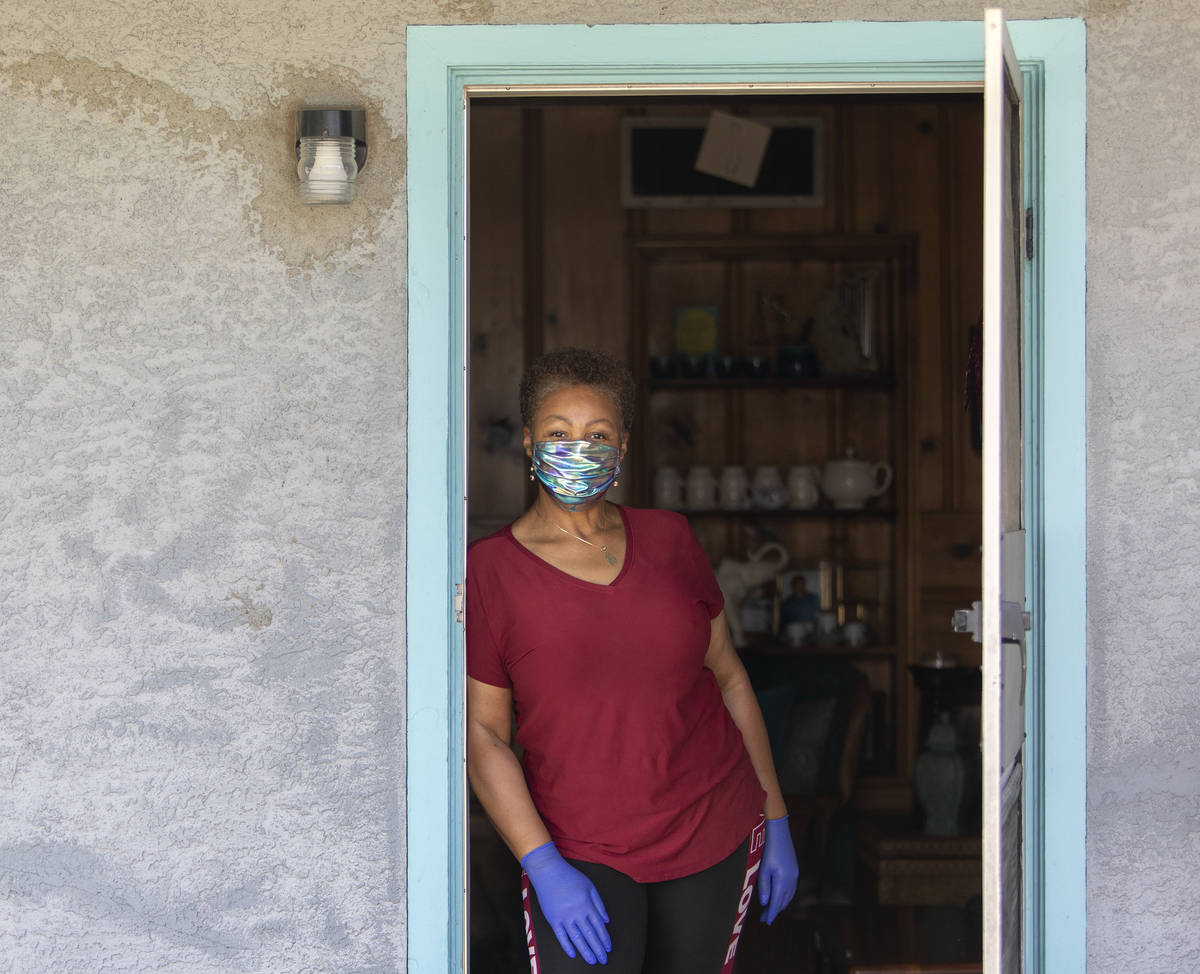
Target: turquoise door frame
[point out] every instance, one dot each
(442, 63)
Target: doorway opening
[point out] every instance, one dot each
(768, 340)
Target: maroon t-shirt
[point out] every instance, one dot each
(630, 755)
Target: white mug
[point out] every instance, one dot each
(855, 633)
(735, 488)
(797, 632)
(668, 489)
(701, 489)
(768, 491)
(802, 487)
(827, 628)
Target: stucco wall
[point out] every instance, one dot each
(202, 480)
(201, 491)
(1143, 488)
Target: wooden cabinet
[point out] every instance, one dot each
(755, 399)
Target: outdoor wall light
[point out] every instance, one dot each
(331, 146)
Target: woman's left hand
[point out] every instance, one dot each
(780, 870)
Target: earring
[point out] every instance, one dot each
(531, 473)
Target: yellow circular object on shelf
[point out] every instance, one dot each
(696, 330)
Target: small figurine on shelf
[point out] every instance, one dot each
(802, 605)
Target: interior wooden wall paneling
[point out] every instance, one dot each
(950, 396)
(867, 166)
(911, 201)
(585, 274)
(586, 279)
(735, 324)
(533, 233)
(966, 135)
(499, 295)
(911, 296)
(533, 331)
(950, 537)
(639, 477)
(915, 204)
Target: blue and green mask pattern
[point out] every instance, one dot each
(576, 471)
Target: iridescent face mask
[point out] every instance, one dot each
(576, 471)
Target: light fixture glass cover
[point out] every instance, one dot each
(331, 148)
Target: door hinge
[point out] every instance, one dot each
(458, 603)
(1029, 233)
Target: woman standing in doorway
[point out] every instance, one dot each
(646, 806)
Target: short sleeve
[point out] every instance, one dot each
(705, 579)
(485, 661)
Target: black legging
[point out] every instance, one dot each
(689, 925)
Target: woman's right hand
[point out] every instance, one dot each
(567, 897)
(570, 903)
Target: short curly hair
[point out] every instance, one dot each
(578, 367)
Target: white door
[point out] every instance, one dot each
(1002, 617)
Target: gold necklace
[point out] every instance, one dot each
(608, 555)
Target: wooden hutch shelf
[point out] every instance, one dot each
(766, 293)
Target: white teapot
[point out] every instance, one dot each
(849, 481)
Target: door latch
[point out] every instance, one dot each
(459, 615)
(969, 620)
(1014, 621)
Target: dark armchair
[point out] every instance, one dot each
(816, 715)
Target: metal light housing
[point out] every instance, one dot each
(331, 150)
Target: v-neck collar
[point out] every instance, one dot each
(628, 560)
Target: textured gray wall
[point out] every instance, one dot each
(202, 480)
(1144, 488)
(201, 498)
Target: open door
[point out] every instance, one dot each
(999, 620)
(1002, 618)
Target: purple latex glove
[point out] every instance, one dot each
(780, 871)
(570, 904)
